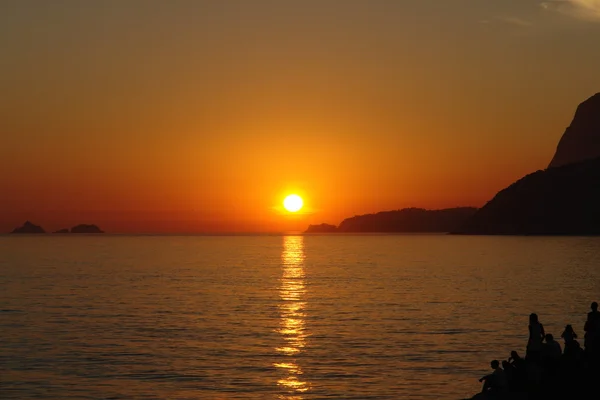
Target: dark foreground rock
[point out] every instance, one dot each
(581, 140)
(28, 228)
(507, 396)
(83, 228)
(557, 201)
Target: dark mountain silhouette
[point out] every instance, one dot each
(322, 228)
(28, 227)
(61, 231)
(406, 220)
(581, 140)
(83, 228)
(558, 201)
(562, 200)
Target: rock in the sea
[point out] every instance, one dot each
(322, 228)
(581, 140)
(83, 228)
(28, 227)
(61, 231)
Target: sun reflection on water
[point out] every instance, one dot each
(292, 326)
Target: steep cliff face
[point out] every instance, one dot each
(562, 200)
(581, 140)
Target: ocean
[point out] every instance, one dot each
(278, 317)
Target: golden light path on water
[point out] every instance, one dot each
(292, 325)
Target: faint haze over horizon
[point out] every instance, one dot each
(196, 116)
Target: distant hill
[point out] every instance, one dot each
(405, 220)
(581, 140)
(28, 228)
(558, 201)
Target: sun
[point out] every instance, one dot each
(293, 203)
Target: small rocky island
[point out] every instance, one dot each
(84, 228)
(28, 228)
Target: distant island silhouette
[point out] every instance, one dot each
(83, 228)
(405, 220)
(30, 228)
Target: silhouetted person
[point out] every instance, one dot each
(551, 354)
(519, 371)
(536, 337)
(571, 362)
(516, 360)
(568, 334)
(592, 331)
(495, 382)
(510, 372)
(572, 347)
(551, 350)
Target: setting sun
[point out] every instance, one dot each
(293, 203)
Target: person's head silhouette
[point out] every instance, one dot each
(495, 364)
(594, 306)
(533, 318)
(549, 338)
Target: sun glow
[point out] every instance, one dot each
(293, 203)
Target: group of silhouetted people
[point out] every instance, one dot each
(547, 368)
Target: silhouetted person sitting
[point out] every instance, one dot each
(551, 354)
(536, 337)
(592, 331)
(519, 371)
(516, 360)
(568, 334)
(495, 382)
(572, 346)
(510, 372)
(551, 350)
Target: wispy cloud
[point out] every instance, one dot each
(585, 9)
(516, 21)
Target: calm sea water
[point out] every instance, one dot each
(278, 317)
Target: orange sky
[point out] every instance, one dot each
(200, 116)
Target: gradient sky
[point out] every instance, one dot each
(195, 116)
